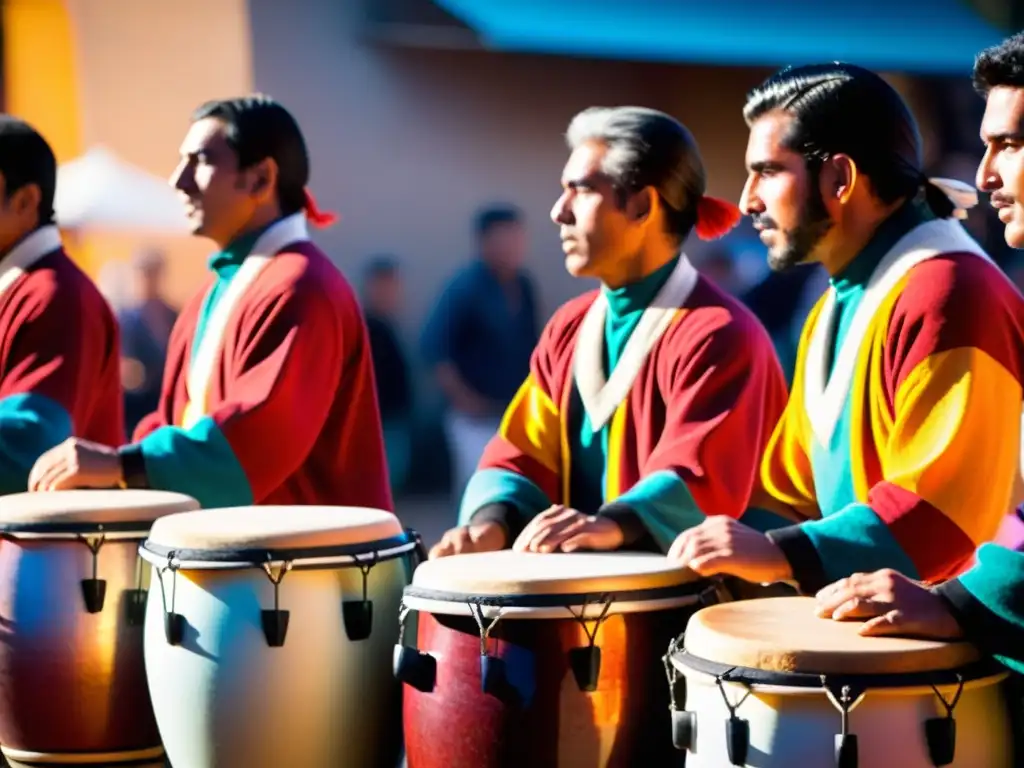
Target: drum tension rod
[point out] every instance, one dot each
(94, 590)
(493, 679)
(684, 723)
(411, 665)
(737, 730)
(174, 623)
(275, 621)
(136, 598)
(358, 614)
(940, 732)
(845, 743)
(586, 661)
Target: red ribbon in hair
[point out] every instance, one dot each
(715, 217)
(315, 216)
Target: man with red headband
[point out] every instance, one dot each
(650, 400)
(268, 395)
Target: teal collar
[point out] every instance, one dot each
(226, 262)
(857, 273)
(638, 296)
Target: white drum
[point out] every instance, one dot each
(767, 683)
(270, 632)
(72, 602)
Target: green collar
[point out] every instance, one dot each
(859, 271)
(226, 262)
(639, 295)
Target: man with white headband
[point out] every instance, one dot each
(900, 444)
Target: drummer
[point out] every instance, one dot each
(269, 393)
(649, 400)
(59, 366)
(985, 604)
(901, 441)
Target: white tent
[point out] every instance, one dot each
(99, 190)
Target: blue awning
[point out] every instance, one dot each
(914, 36)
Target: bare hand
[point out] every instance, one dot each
(76, 464)
(722, 545)
(484, 537)
(566, 529)
(892, 603)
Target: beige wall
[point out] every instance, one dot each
(143, 66)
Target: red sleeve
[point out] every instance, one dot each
(290, 364)
(58, 345)
(726, 392)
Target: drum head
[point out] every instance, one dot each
(272, 528)
(505, 573)
(64, 510)
(783, 634)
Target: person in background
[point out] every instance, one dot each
(382, 298)
(145, 332)
(478, 339)
(58, 337)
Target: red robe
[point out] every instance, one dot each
(290, 411)
(59, 358)
(688, 408)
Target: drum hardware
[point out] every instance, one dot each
(358, 614)
(684, 724)
(586, 661)
(174, 623)
(411, 665)
(135, 606)
(94, 590)
(493, 679)
(846, 743)
(275, 621)
(940, 732)
(737, 730)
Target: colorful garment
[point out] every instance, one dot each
(671, 435)
(59, 358)
(905, 451)
(269, 394)
(988, 603)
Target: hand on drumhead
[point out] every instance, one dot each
(721, 545)
(566, 529)
(484, 537)
(892, 604)
(76, 464)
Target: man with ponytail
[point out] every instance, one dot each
(900, 445)
(649, 400)
(268, 394)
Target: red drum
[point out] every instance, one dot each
(72, 606)
(539, 660)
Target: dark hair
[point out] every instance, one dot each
(495, 216)
(647, 148)
(1001, 64)
(845, 109)
(257, 127)
(381, 265)
(26, 158)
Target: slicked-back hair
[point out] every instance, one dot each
(647, 148)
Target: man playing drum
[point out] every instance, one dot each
(269, 392)
(59, 366)
(901, 440)
(649, 400)
(985, 604)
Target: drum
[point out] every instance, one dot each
(766, 683)
(72, 602)
(269, 635)
(541, 660)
